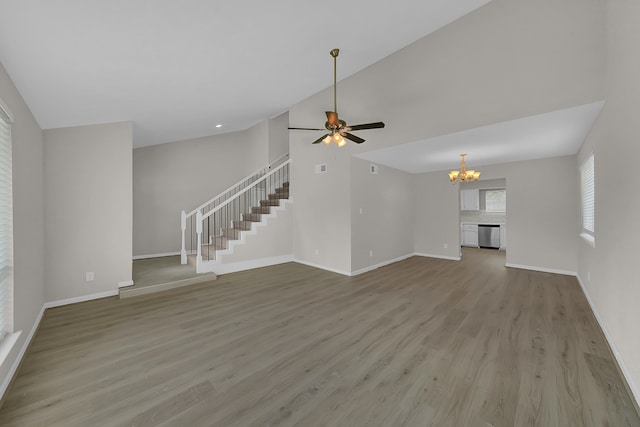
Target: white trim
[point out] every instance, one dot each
(18, 360)
(156, 255)
(125, 284)
(588, 238)
(83, 298)
(380, 264)
(542, 269)
(251, 264)
(322, 267)
(451, 258)
(621, 364)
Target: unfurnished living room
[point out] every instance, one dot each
(295, 213)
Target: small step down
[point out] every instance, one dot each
(134, 291)
(160, 274)
(274, 202)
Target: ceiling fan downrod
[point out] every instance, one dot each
(334, 53)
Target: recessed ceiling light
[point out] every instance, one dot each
(218, 126)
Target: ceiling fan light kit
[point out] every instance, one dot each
(338, 129)
(464, 174)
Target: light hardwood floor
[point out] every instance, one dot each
(422, 342)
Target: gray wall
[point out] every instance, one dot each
(437, 216)
(181, 175)
(542, 202)
(489, 66)
(278, 136)
(609, 271)
(88, 209)
(28, 217)
(385, 225)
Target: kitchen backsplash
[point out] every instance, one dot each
(482, 216)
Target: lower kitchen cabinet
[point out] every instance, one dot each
(469, 235)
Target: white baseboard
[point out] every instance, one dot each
(621, 363)
(380, 264)
(16, 363)
(541, 269)
(156, 255)
(322, 267)
(451, 258)
(82, 298)
(125, 284)
(251, 264)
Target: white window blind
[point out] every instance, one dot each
(6, 226)
(495, 200)
(587, 191)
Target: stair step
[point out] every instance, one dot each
(274, 202)
(253, 217)
(274, 196)
(242, 225)
(285, 184)
(231, 233)
(260, 210)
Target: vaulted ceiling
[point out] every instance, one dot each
(178, 69)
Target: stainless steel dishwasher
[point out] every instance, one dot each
(489, 236)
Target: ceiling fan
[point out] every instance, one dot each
(338, 129)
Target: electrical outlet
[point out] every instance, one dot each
(317, 252)
(371, 252)
(361, 211)
(446, 246)
(588, 275)
(89, 276)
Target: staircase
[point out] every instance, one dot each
(215, 227)
(244, 223)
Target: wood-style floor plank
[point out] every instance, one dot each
(422, 342)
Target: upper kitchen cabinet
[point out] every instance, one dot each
(470, 200)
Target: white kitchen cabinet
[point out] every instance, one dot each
(470, 235)
(469, 200)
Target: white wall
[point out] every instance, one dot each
(28, 219)
(381, 215)
(609, 272)
(181, 175)
(88, 209)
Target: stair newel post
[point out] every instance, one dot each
(183, 226)
(199, 240)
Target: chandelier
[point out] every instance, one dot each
(463, 175)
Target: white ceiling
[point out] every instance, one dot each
(558, 133)
(178, 68)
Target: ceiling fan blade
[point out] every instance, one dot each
(332, 118)
(376, 125)
(319, 140)
(352, 137)
(305, 129)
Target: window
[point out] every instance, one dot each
(6, 226)
(587, 192)
(495, 200)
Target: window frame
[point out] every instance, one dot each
(6, 282)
